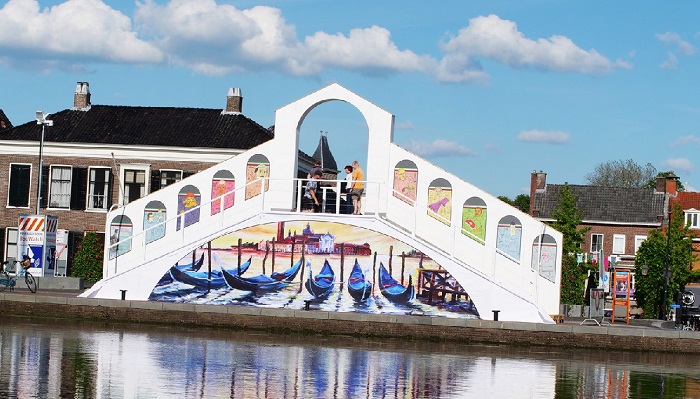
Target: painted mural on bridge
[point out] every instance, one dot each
(324, 265)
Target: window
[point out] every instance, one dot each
(169, 177)
(692, 219)
(638, 240)
(11, 245)
(60, 187)
(134, 185)
(98, 188)
(19, 185)
(618, 244)
(596, 242)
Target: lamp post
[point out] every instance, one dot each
(667, 270)
(41, 120)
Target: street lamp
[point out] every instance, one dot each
(667, 271)
(41, 120)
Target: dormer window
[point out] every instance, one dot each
(692, 218)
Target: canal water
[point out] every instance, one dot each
(76, 359)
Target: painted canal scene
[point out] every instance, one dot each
(329, 266)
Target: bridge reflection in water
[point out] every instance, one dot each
(96, 360)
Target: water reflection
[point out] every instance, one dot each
(40, 359)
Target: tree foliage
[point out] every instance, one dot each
(522, 202)
(621, 174)
(87, 262)
(653, 253)
(567, 217)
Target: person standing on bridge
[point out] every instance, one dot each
(358, 187)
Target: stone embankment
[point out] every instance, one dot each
(641, 336)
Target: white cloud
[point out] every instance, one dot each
(541, 136)
(439, 148)
(74, 31)
(672, 38)
(217, 39)
(683, 140)
(407, 125)
(499, 40)
(678, 165)
(671, 62)
(490, 147)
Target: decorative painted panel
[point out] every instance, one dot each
(544, 256)
(121, 229)
(509, 235)
(406, 181)
(474, 219)
(222, 183)
(258, 167)
(154, 216)
(188, 201)
(440, 200)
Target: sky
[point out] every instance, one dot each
(487, 90)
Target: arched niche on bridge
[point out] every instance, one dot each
(258, 167)
(544, 256)
(223, 185)
(440, 200)
(120, 231)
(474, 219)
(154, 217)
(188, 201)
(406, 181)
(509, 237)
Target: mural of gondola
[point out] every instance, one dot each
(333, 266)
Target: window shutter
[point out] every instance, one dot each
(155, 180)
(45, 178)
(110, 187)
(3, 232)
(78, 189)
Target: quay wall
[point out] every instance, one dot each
(313, 322)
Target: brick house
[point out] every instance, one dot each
(619, 218)
(97, 156)
(690, 203)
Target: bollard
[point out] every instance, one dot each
(495, 315)
(307, 304)
(123, 294)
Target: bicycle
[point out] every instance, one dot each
(7, 281)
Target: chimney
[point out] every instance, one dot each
(667, 184)
(234, 101)
(538, 182)
(81, 100)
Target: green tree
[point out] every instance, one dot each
(522, 202)
(621, 174)
(673, 245)
(87, 262)
(567, 217)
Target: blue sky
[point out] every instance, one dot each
(487, 90)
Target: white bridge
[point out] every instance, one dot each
(503, 258)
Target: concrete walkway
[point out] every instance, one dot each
(645, 335)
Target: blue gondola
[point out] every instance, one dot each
(392, 290)
(188, 266)
(358, 286)
(201, 279)
(262, 282)
(321, 285)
